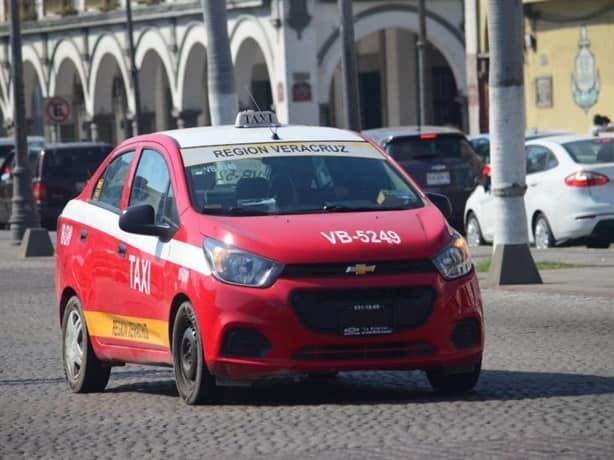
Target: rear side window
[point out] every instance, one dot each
(589, 151)
(75, 163)
(429, 146)
(109, 187)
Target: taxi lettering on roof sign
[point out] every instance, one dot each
(196, 244)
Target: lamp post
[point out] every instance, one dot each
(23, 212)
(136, 123)
(421, 45)
(350, 68)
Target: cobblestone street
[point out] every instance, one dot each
(547, 391)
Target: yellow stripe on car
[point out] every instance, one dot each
(135, 329)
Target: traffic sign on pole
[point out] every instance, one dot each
(58, 110)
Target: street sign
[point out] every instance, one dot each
(58, 110)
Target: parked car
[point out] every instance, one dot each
(440, 159)
(481, 142)
(7, 146)
(569, 198)
(59, 172)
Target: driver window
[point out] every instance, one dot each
(109, 187)
(152, 185)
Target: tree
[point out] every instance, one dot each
(223, 102)
(512, 261)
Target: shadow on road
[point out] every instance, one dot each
(390, 388)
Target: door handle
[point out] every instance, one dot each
(121, 249)
(83, 235)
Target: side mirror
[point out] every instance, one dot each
(442, 202)
(140, 219)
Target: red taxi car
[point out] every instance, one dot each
(252, 251)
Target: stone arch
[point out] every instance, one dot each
(253, 79)
(444, 36)
(111, 101)
(107, 51)
(192, 89)
(35, 90)
(151, 41)
(64, 54)
(248, 28)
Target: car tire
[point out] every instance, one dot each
(194, 382)
(84, 372)
(473, 231)
(596, 243)
(456, 383)
(542, 233)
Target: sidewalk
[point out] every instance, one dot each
(597, 279)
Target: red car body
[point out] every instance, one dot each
(131, 285)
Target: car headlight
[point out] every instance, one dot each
(454, 260)
(235, 266)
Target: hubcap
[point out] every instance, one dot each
(73, 345)
(473, 233)
(188, 353)
(542, 237)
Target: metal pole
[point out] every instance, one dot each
(133, 72)
(23, 212)
(351, 93)
(421, 45)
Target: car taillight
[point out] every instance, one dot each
(485, 170)
(428, 136)
(586, 179)
(39, 191)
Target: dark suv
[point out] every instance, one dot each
(439, 159)
(59, 173)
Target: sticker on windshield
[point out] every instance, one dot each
(208, 154)
(362, 236)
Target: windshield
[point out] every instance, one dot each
(589, 151)
(277, 179)
(428, 147)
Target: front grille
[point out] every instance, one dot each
(363, 312)
(340, 269)
(363, 351)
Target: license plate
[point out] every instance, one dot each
(365, 319)
(438, 178)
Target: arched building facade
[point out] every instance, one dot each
(286, 56)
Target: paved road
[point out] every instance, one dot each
(547, 391)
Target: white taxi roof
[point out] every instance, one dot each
(229, 134)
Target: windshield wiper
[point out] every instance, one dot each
(235, 211)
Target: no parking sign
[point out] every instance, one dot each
(58, 110)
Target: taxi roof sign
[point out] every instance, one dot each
(253, 119)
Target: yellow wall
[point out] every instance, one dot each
(555, 56)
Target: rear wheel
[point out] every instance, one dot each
(542, 233)
(84, 372)
(473, 231)
(194, 382)
(456, 383)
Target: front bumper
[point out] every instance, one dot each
(294, 349)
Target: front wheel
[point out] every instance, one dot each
(84, 372)
(194, 382)
(454, 383)
(542, 233)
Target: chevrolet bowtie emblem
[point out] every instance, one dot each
(360, 269)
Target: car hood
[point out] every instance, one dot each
(334, 237)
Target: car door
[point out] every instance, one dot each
(146, 270)
(101, 239)
(542, 189)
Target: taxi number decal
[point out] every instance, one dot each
(65, 234)
(363, 236)
(140, 274)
